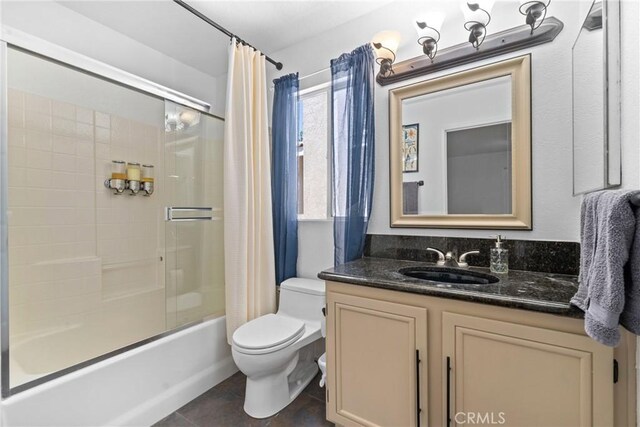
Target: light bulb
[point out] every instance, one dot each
(389, 41)
(433, 21)
(477, 15)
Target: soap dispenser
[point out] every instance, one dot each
(499, 257)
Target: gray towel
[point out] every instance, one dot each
(630, 317)
(410, 198)
(608, 227)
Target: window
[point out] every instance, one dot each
(314, 153)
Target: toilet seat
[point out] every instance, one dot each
(267, 334)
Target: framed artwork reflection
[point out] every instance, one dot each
(410, 147)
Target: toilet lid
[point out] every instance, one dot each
(267, 331)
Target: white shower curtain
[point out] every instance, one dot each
(248, 228)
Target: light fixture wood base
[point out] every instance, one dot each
(510, 40)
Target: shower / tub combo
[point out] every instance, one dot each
(88, 272)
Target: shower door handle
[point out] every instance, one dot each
(169, 213)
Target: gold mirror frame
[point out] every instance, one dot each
(519, 69)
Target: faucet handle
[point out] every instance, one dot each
(463, 258)
(441, 256)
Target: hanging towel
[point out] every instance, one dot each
(630, 317)
(608, 227)
(410, 198)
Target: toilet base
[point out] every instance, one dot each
(322, 363)
(268, 395)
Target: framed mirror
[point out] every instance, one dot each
(473, 149)
(596, 100)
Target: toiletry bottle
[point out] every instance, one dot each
(499, 257)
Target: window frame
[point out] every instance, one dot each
(308, 92)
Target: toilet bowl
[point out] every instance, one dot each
(276, 351)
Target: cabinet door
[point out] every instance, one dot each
(516, 375)
(374, 379)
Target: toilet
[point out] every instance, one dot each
(277, 352)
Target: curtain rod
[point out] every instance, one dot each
(315, 73)
(224, 30)
(307, 76)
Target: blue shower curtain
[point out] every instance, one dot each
(284, 175)
(353, 146)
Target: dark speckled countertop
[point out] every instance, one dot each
(544, 292)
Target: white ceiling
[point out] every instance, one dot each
(269, 25)
(272, 26)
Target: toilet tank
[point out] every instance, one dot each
(302, 299)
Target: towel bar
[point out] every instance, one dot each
(170, 210)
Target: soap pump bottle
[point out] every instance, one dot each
(499, 257)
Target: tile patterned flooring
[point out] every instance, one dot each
(221, 406)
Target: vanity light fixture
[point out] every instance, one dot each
(181, 119)
(429, 33)
(477, 17)
(385, 45)
(189, 118)
(539, 29)
(535, 12)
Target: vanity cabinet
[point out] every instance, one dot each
(377, 351)
(525, 376)
(479, 364)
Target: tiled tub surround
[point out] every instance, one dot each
(87, 267)
(525, 255)
(82, 262)
(543, 292)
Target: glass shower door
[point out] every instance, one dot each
(85, 274)
(91, 271)
(194, 267)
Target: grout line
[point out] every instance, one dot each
(316, 397)
(191, 423)
(230, 392)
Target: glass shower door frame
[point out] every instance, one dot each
(193, 212)
(49, 51)
(4, 225)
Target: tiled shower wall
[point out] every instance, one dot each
(80, 256)
(90, 271)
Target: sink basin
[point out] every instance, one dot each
(449, 275)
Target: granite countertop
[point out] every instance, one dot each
(544, 292)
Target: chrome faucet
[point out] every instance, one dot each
(449, 259)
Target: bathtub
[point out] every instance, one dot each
(134, 388)
(63, 347)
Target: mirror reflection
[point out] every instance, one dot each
(596, 149)
(460, 152)
(457, 152)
